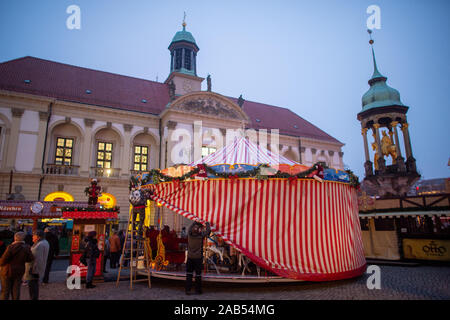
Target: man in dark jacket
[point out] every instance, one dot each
(91, 253)
(53, 241)
(196, 235)
(12, 265)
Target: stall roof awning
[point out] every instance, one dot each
(10, 209)
(397, 214)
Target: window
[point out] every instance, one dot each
(187, 59)
(104, 154)
(140, 158)
(64, 151)
(178, 53)
(207, 151)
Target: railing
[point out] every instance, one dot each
(135, 172)
(105, 173)
(59, 169)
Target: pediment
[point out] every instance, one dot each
(209, 104)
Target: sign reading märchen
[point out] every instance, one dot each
(11, 208)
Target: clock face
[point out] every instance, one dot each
(187, 86)
(37, 207)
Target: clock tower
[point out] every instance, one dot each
(183, 63)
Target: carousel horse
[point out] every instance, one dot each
(243, 261)
(160, 259)
(213, 249)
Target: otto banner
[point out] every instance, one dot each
(426, 249)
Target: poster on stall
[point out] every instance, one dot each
(89, 228)
(83, 269)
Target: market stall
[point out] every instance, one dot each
(85, 220)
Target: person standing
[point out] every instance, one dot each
(106, 255)
(52, 253)
(90, 254)
(12, 265)
(196, 235)
(35, 270)
(115, 246)
(2, 247)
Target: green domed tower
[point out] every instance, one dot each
(183, 63)
(382, 111)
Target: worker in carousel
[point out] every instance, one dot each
(138, 200)
(196, 234)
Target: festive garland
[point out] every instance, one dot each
(156, 176)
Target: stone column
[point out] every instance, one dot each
(399, 161)
(171, 125)
(43, 116)
(197, 143)
(300, 151)
(410, 161)
(406, 139)
(86, 148)
(341, 160)
(367, 164)
(14, 138)
(366, 146)
(313, 153)
(128, 152)
(381, 161)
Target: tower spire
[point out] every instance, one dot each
(184, 21)
(376, 73)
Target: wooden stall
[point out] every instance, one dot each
(86, 220)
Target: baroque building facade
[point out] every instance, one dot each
(62, 125)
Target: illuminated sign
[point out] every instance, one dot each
(59, 196)
(107, 200)
(426, 249)
(11, 208)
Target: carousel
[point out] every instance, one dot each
(272, 220)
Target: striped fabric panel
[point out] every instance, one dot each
(244, 152)
(302, 229)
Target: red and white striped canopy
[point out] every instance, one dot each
(300, 229)
(244, 152)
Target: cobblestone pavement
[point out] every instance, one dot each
(397, 283)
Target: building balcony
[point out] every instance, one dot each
(105, 172)
(135, 172)
(58, 169)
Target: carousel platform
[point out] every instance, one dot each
(214, 277)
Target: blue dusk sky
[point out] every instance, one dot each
(312, 57)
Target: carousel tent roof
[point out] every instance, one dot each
(243, 151)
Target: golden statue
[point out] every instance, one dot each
(375, 156)
(387, 147)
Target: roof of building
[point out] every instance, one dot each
(82, 85)
(379, 94)
(183, 35)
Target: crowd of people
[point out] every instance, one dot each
(27, 261)
(30, 260)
